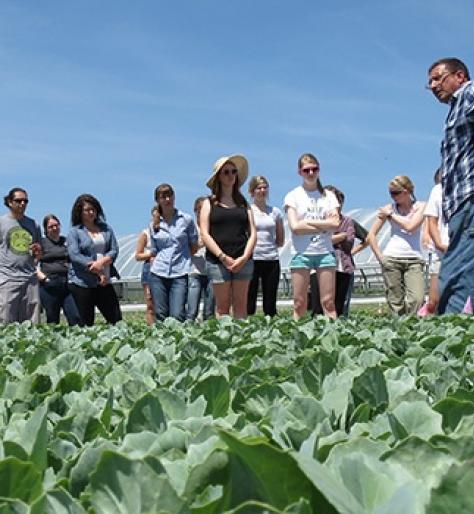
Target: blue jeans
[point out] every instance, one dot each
(55, 294)
(199, 286)
(169, 296)
(456, 277)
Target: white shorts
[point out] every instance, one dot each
(435, 264)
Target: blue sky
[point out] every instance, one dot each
(115, 97)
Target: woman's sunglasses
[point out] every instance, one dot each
(228, 172)
(314, 169)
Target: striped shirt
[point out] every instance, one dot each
(457, 151)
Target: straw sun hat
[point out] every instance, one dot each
(240, 163)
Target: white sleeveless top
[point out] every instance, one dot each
(403, 244)
(148, 245)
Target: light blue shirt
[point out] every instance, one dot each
(172, 246)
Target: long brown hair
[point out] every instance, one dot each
(155, 226)
(237, 196)
(310, 158)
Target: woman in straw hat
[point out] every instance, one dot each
(402, 261)
(312, 218)
(228, 231)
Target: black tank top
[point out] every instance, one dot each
(229, 227)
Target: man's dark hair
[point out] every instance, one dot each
(453, 64)
(11, 195)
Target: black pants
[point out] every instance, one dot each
(104, 298)
(269, 273)
(55, 294)
(343, 282)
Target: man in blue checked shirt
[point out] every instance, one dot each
(449, 81)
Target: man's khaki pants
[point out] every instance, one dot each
(20, 301)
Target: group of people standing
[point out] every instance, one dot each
(447, 220)
(55, 272)
(217, 257)
(223, 256)
(233, 245)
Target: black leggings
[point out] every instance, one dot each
(102, 297)
(269, 273)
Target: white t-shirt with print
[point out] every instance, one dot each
(312, 205)
(434, 209)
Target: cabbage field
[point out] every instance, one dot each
(365, 415)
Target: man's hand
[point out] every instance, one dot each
(35, 250)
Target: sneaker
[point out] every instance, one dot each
(423, 311)
(467, 306)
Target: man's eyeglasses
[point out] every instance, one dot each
(437, 80)
(20, 200)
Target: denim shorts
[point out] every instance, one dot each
(305, 261)
(219, 274)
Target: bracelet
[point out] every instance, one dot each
(221, 256)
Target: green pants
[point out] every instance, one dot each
(404, 284)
